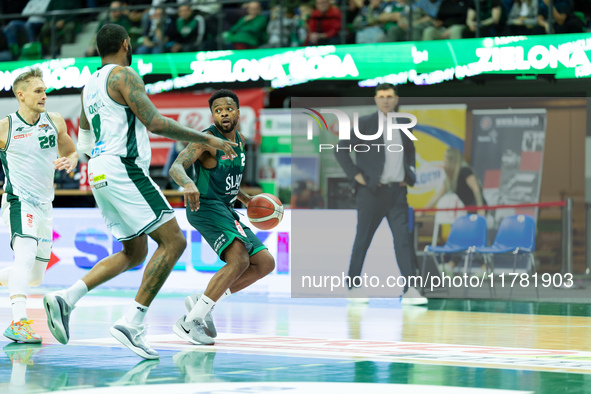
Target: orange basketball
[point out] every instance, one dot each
(265, 211)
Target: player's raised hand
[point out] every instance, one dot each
(64, 163)
(192, 196)
(223, 145)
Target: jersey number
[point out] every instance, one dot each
(96, 127)
(47, 142)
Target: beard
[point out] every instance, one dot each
(229, 128)
(129, 56)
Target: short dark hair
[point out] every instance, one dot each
(386, 86)
(221, 94)
(110, 38)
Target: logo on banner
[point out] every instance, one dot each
(344, 130)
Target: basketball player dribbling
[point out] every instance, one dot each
(210, 198)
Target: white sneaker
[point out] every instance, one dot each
(208, 325)
(134, 337)
(413, 297)
(192, 331)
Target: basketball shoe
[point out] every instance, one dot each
(134, 337)
(58, 310)
(208, 325)
(192, 331)
(21, 331)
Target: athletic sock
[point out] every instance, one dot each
(76, 291)
(203, 305)
(19, 308)
(226, 293)
(136, 314)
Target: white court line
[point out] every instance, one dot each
(421, 353)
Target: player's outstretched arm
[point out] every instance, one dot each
(4, 125)
(179, 174)
(131, 87)
(68, 159)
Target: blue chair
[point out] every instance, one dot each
(516, 235)
(466, 233)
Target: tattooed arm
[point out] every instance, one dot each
(125, 82)
(178, 172)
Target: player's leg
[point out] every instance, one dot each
(261, 263)
(22, 220)
(59, 305)
(193, 326)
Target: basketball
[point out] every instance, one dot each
(265, 211)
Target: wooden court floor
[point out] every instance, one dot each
(271, 344)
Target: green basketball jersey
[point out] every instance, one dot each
(222, 181)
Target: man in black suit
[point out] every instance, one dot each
(381, 178)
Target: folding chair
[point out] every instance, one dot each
(516, 235)
(466, 233)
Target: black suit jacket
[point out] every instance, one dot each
(371, 163)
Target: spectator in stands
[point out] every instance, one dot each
(5, 53)
(390, 15)
(280, 27)
(354, 7)
(324, 24)
(250, 31)
(459, 179)
(186, 32)
(368, 29)
(31, 28)
(450, 21)
(135, 30)
(306, 195)
(66, 26)
(491, 12)
(523, 18)
(431, 7)
(154, 24)
(301, 24)
(209, 10)
(565, 20)
(11, 42)
(420, 21)
(117, 17)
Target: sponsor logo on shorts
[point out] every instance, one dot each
(239, 228)
(45, 240)
(222, 239)
(29, 220)
(99, 178)
(100, 185)
(19, 136)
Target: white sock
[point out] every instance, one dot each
(25, 250)
(76, 291)
(19, 308)
(226, 293)
(203, 305)
(136, 314)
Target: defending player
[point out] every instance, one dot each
(115, 114)
(33, 144)
(211, 196)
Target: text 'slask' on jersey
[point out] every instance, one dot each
(28, 158)
(116, 129)
(223, 181)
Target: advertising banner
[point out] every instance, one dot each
(81, 239)
(507, 155)
(419, 63)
